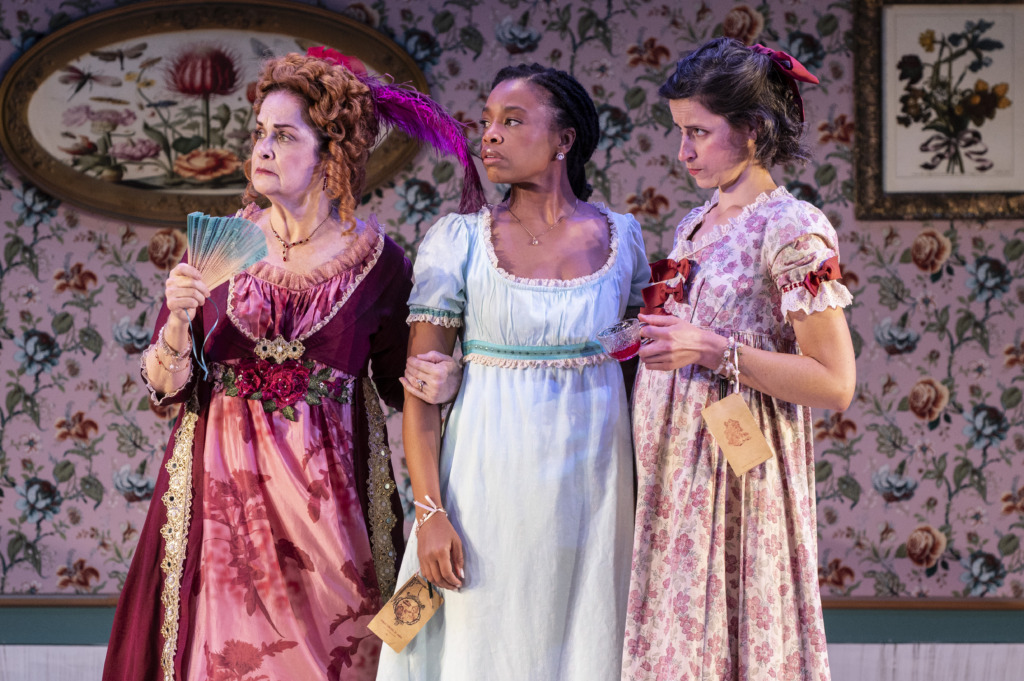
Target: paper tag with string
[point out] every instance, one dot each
(406, 613)
(735, 430)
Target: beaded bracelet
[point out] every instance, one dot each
(729, 368)
(171, 367)
(168, 350)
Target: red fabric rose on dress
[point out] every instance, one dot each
(248, 378)
(286, 383)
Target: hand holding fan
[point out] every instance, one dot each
(220, 248)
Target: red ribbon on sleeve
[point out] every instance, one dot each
(827, 271)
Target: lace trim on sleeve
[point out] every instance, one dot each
(831, 294)
(157, 397)
(432, 315)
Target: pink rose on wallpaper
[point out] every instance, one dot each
(928, 398)
(930, 250)
(925, 545)
(166, 248)
(743, 24)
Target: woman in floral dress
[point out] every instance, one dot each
(724, 575)
(276, 507)
(534, 471)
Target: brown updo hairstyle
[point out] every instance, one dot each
(742, 86)
(339, 108)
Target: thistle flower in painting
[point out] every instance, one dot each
(202, 71)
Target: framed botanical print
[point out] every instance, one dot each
(940, 120)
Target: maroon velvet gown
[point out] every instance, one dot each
(290, 539)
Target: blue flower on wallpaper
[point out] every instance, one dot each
(893, 486)
(131, 336)
(40, 500)
(985, 426)
(422, 47)
(807, 49)
(985, 573)
(805, 192)
(418, 201)
(896, 339)
(133, 484)
(37, 352)
(516, 36)
(615, 126)
(990, 278)
(33, 205)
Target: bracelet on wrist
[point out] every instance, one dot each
(172, 366)
(431, 510)
(168, 350)
(729, 367)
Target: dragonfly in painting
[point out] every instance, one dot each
(120, 54)
(72, 75)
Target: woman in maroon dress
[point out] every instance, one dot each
(273, 537)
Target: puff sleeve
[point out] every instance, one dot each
(802, 249)
(439, 274)
(633, 243)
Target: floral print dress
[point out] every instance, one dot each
(724, 580)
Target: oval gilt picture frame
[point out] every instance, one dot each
(143, 113)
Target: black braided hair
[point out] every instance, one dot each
(573, 108)
(743, 87)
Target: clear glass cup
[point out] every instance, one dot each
(622, 340)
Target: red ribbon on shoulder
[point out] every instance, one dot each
(827, 271)
(353, 64)
(793, 70)
(658, 293)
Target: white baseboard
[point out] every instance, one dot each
(926, 661)
(849, 662)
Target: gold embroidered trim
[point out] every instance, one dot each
(279, 349)
(178, 502)
(381, 487)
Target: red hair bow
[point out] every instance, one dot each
(793, 70)
(353, 64)
(827, 271)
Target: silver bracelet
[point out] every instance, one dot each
(168, 350)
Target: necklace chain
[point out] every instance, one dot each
(535, 238)
(286, 246)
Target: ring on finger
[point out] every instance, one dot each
(420, 384)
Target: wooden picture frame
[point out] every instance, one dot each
(939, 140)
(140, 113)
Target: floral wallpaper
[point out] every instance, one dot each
(920, 484)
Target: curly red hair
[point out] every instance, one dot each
(339, 107)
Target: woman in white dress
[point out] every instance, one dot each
(534, 468)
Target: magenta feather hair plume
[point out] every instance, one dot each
(420, 117)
